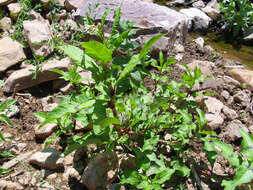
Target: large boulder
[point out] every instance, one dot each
(212, 9)
(23, 79)
(152, 19)
(199, 21)
(38, 33)
(11, 53)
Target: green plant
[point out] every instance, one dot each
(242, 163)
(238, 16)
(120, 110)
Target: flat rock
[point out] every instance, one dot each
(230, 113)
(243, 76)
(101, 171)
(152, 19)
(206, 67)
(49, 159)
(212, 10)
(199, 21)
(5, 2)
(45, 131)
(38, 33)
(10, 185)
(11, 53)
(22, 79)
(233, 130)
(15, 161)
(214, 121)
(213, 105)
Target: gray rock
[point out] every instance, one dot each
(212, 83)
(231, 81)
(152, 19)
(243, 76)
(200, 42)
(214, 121)
(15, 9)
(248, 37)
(213, 105)
(38, 33)
(18, 159)
(232, 131)
(199, 21)
(49, 107)
(225, 94)
(217, 169)
(243, 97)
(198, 4)
(212, 10)
(45, 131)
(49, 159)
(22, 79)
(179, 48)
(5, 2)
(11, 53)
(230, 113)
(206, 67)
(101, 171)
(74, 4)
(5, 23)
(71, 172)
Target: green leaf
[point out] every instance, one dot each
(211, 152)
(75, 53)
(41, 116)
(228, 152)
(5, 119)
(243, 175)
(98, 51)
(247, 145)
(6, 104)
(149, 144)
(4, 171)
(148, 45)
(164, 175)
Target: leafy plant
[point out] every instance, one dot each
(242, 163)
(238, 16)
(120, 110)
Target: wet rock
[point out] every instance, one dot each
(10, 185)
(243, 76)
(232, 131)
(14, 9)
(213, 10)
(199, 21)
(22, 79)
(225, 94)
(49, 159)
(213, 105)
(101, 171)
(5, 2)
(38, 33)
(230, 113)
(45, 131)
(22, 157)
(243, 97)
(206, 67)
(11, 53)
(153, 19)
(214, 121)
(5, 23)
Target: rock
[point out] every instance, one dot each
(11, 53)
(49, 107)
(87, 77)
(233, 130)
(71, 23)
(57, 16)
(213, 10)
(13, 110)
(214, 121)
(22, 79)
(14, 9)
(225, 94)
(199, 21)
(179, 48)
(5, 23)
(243, 76)
(243, 97)
(45, 131)
(10, 185)
(49, 159)
(20, 158)
(5, 2)
(101, 171)
(251, 129)
(212, 83)
(200, 42)
(38, 33)
(217, 169)
(127, 162)
(153, 18)
(71, 173)
(248, 37)
(231, 81)
(206, 67)
(230, 113)
(213, 105)
(198, 4)
(74, 4)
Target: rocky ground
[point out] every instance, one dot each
(228, 110)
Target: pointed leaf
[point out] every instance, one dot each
(247, 145)
(6, 104)
(75, 53)
(5, 119)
